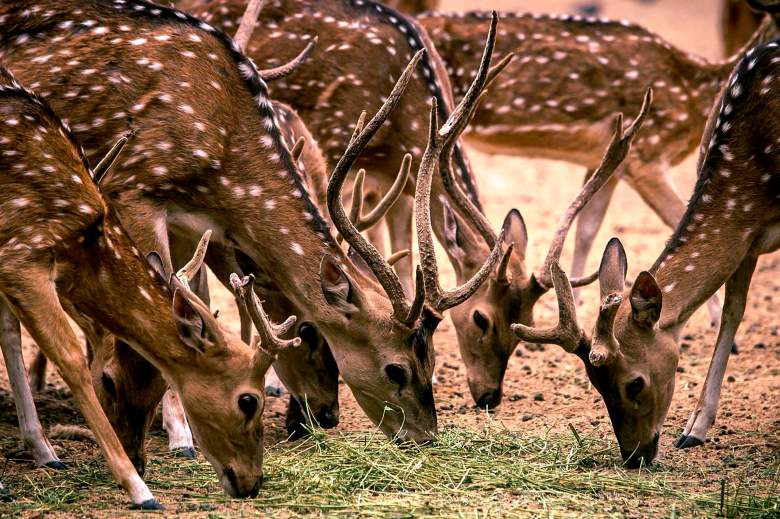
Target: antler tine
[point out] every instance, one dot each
(108, 160)
(360, 138)
(419, 297)
(460, 118)
(398, 256)
(297, 148)
(504, 265)
(567, 333)
(441, 300)
(269, 333)
(248, 22)
(613, 157)
(189, 270)
(288, 68)
(365, 222)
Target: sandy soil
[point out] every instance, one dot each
(549, 388)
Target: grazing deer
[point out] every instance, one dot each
(64, 252)
(324, 91)
(556, 101)
(208, 154)
(732, 218)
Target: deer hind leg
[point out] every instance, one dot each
(657, 191)
(37, 372)
(399, 226)
(176, 425)
(703, 415)
(29, 424)
(588, 224)
(37, 305)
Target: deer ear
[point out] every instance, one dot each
(516, 232)
(452, 241)
(156, 263)
(336, 286)
(646, 300)
(192, 326)
(612, 271)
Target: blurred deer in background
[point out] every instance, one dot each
(732, 218)
(65, 253)
(738, 22)
(572, 75)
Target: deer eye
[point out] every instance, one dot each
(481, 321)
(248, 405)
(635, 387)
(397, 374)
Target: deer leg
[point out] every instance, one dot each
(588, 224)
(703, 416)
(656, 190)
(5, 495)
(175, 424)
(37, 306)
(29, 424)
(37, 372)
(399, 225)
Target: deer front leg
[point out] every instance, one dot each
(703, 416)
(588, 224)
(657, 191)
(175, 424)
(399, 226)
(29, 424)
(37, 372)
(37, 306)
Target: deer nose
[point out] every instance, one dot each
(490, 399)
(644, 454)
(328, 419)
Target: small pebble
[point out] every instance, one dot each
(539, 397)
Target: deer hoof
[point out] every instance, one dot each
(734, 349)
(6, 496)
(686, 442)
(185, 452)
(149, 504)
(56, 465)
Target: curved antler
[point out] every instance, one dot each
(605, 347)
(567, 333)
(465, 112)
(270, 341)
(442, 300)
(189, 270)
(108, 160)
(365, 222)
(382, 270)
(616, 152)
(244, 34)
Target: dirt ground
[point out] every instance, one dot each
(549, 389)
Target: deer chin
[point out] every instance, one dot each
(642, 454)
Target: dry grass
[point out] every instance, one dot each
(468, 473)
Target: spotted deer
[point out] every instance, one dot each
(324, 96)
(208, 153)
(556, 100)
(732, 218)
(66, 253)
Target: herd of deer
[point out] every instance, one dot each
(199, 154)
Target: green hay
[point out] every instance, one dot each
(466, 473)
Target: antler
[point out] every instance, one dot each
(567, 333)
(189, 270)
(437, 141)
(364, 222)
(382, 270)
(616, 152)
(270, 341)
(244, 34)
(108, 160)
(605, 346)
(467, 107)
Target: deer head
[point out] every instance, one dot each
(412, 322)
(629, 361)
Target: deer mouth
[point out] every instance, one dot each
(642, 455)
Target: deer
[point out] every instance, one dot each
(732, 218)
(324, 94)
(589, 69)
(251, 195)
(66, 253)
